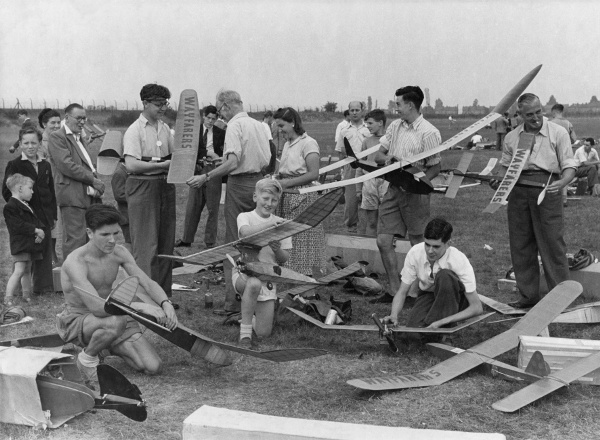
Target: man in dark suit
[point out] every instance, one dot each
(77, 186)
(210, 153)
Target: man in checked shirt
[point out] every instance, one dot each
(402, 213)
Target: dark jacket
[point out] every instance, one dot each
(218, 142)
(21, 224)
(43, 201)
(72, 174)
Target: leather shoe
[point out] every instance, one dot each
(181, 243)
(520, 304)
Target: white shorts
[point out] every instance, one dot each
(265, 294)
(373, 191)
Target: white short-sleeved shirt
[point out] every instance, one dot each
(268, 130)
(355, 135)
(266, 254)
(581, 156)
(293, 156)
(142, 139)
(247, 139)
(416, 266)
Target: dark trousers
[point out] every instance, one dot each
(151, 205)
(74, 234)
(499, 140)
(589, 171)
(448, 298)
(208, 195)
(534, 228)
(42, 269)
(238, 199)
(351, 204)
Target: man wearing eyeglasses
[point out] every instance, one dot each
(147, 147)
(75, 179)
(447, 288)
(245, 154)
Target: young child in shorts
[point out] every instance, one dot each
(371, 192)
(26, 235)
(258, 297)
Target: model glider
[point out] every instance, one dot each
(536, 369)
(187, 138)
(118, 303)
(337, 275)
(532, 324)
(391, 329)
(588, 313)
(250, 246)
(51, 340)
(45, 389)
(497, 112)
(409, 178)
(111, 152)
(548, 384)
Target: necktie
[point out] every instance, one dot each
(205, 138)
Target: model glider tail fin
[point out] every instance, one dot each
(110, 153)
(537, 365)
(457, 178)
(125, 291)
(350, 152)
(118, 393)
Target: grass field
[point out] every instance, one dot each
(316, 388)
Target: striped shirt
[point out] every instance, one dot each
(404, 140)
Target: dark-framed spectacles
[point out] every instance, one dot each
(160, 104)
(79, 118)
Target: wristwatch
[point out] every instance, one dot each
(166, 301)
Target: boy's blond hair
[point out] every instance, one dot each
(271, 186)
(16, 180)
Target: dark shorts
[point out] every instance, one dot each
(69, 325)
(28, 256)
(401, 212)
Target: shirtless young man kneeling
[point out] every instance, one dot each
(94, 268)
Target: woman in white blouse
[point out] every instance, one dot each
(298, 168)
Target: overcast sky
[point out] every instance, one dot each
(300, 53)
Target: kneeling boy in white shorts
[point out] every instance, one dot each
(258, 298)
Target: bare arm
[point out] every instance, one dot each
(474, 309)
(312, 165)
(398, 303)
(136, 166)
(164, 312)
(230, 164)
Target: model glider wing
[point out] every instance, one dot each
(187, 138)
(339, 274)
(548, 384)
(498, 111)
(532, 324)
(309, 218)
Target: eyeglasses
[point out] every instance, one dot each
(79, 118)
(160, 104)
(221, 108)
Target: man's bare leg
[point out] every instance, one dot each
(251, 287)
(139, 354)
(98, 334)
(265, 311)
